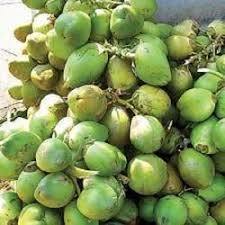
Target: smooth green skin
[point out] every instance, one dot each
(146, 134)
(53, 156)
(10, 208)
(147, 174)
(171, 210)
(218, 160)
(187, 28)
(128, 213)
(153, 40)
(31, 94)
(120, 74)
(118, 122)
(197, 209)
(211, 221)
(27, 182)
(88, 102)
(34, 4)
(61, 88)
(125, 22)
(100, 25)
(54, 104)
(217, 27)
(45, 77)
(72, 5)
(21, 32)
(146, 207)
(43, 23)
(171, 142)
(36, 214)
(113, 161)
(9, 170)
(209, 82)
(85, 65)
(220, 64)
(93, 182)
(36, 47)
(20, 146)
(217, 135)
(58, 46)
(74, 27)
(151, 65)
(215, 192)
(55, 190)
(15, 92)
(174, 184)
(152, 101)
(220, 108)
(56, 62)
(196, 104)
(63, 128)
(217, 212)
(43, 123)
(54, 6)
(21, 67)
(99, 202)
(146, 8)
(182, 80)
(201, 136)
(165, 30)
(179, 47)
(196, 169)
(9, 127)
(73, 216)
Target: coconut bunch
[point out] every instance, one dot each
(125, 118)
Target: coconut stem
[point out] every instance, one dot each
(79, 173)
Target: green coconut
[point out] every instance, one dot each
(217, 135)
(147, 174)
(217, 27)
(201, 136)
(73, 216)
(146, 208)
(56, 62)
(88, 102)
(36, 47)
(125, 22)
(215, 192)
(113, 161)
(120, 75)
(152, 101)
(45, 77)
(196, 104)
(100, 25)
(118, 122)
(22, 31)
(38, 214)
(53, 156)
(211, 221)
(78, 5)
(180, 47)
(74, 27)
(151, 65)
(84, 133)
(55, 190)
(55, 6)
(171, 210)
(15, 92)
(218, 160)
(217, 212)
(196, 169)
(34, 4)
(28, 181)
(21, 67)
(146, 134)
(220, 109)
(43, 23)
(85, 65)
(10, 208)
